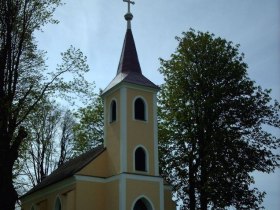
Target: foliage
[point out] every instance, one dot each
(89, 131)
(25, 79)
(211, 127)
(49, 144)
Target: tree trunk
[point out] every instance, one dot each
(192, 204)
(203, 168)
(8, 156)
(8, 194)
(203, 185)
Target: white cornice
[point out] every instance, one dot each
(129, 85)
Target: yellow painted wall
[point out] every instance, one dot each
(45, 200)
(43, 205)
(113, 135)
(112, 195)
(98, 167)
(140, 132)
(90, 196)
(169, 204)
(136, 188)
(69, 200)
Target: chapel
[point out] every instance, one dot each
(123, 173)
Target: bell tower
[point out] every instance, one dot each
(131, 113)
(130, 130)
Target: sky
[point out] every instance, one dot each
(98, 27)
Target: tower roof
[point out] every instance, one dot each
(129, 69)
(129, 59)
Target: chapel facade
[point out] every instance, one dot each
(123, 173)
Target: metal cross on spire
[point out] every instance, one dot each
(128, 4)
(128, 16)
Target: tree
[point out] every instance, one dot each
(48, 145)
(25, 79)
(211, 127)
(88, 131)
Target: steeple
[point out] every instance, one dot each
(129, 69)
(129, 59)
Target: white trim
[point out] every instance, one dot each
(144, 178)
(147, 159)
(146, 109)
(95, 179)
(122, 192)
(140, 197)
(129, 85)
(117, 177)
(122, 184)
(155, 130)
(123, 129)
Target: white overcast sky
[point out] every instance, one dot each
(97, 27)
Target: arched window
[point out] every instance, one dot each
(142, 204)
(113, 111)
(140, 159)
(57, 204)
(139, 109)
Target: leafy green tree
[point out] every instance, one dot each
(88, 131)
(25, 79)
(211, 126)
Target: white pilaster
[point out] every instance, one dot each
(123, 132)
(122, 192)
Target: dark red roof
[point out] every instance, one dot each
(129, 69)
(129, 59)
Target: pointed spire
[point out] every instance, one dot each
(129, 70)
(129, 59)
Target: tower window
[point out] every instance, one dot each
(139, 109)
(140, 159)
(113, 111)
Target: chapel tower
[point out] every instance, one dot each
(130, 131)
(131, 114)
